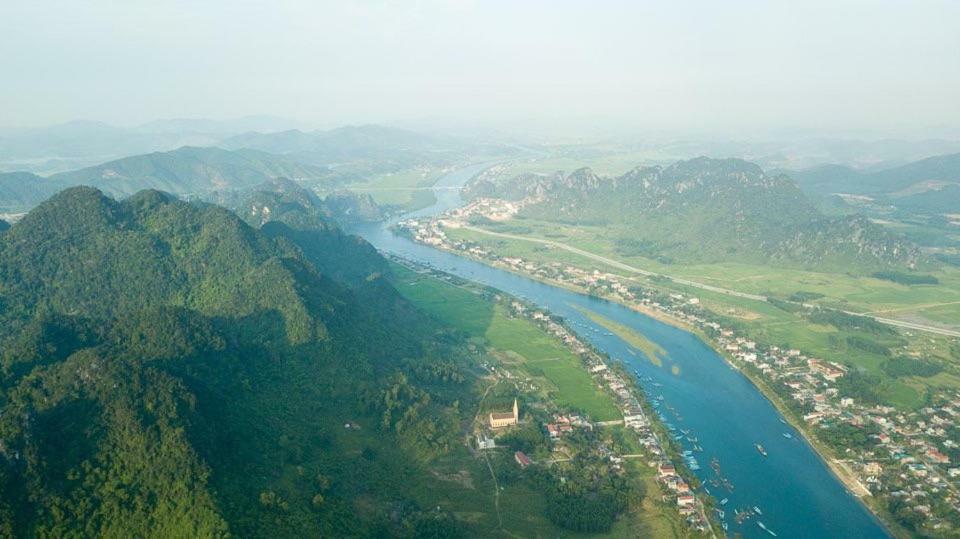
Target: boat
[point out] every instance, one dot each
(766, 529)
(724, 525)
(782, 421)
(787, 435)
(724, 501)
(720, 513)
(757, 510)
(761, 450)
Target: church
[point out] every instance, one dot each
(499, 420)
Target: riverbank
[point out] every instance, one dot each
(519, 357)
(826, 454)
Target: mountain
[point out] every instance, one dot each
(169, 370)
(22, 190)
(917, 176)
(706, 210)
(48, 150)
(283, 208)
(58, 148)
(189, 170)
(937, 201)
(221, 128)
(197, 172)
(364, 147)
(351, 207)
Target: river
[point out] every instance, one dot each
(718, 406)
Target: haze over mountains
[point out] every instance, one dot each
(72, 145)
(328, 157)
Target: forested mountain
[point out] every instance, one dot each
(190, 170)
(943, 200)
(920, 175)
(69, 146)
(185, 171)
(369, 148)
(170, 371)
(705, 210)
(283, 208)
(20, 191)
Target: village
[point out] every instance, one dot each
(904, 461)
(671, 473)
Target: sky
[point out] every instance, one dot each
(665, 65)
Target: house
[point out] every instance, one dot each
(521, 459)
(500, 420)
(666, 470)
(483, 442)
(938, 457)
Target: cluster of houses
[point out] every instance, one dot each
(909, 455)
(635, 417)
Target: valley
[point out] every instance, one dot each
(759, 317)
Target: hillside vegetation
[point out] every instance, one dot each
(938, 170)
(706, 210)
(169, 370)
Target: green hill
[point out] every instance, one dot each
(170, 371)
(933, 171)
(366, 148)
(189, 170)
(943, 200)
(707, 210)
(20, 191)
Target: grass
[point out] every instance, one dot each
(542, 355)
(765, 322)
(522, 342)
(459, 307)
(654, 352)
(546, 359)
(406, 188)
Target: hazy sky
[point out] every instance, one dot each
(712, 65)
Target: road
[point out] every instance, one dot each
(694, 284)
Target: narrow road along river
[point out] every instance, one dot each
(702, 394)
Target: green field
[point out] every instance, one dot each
(408, 189)
(522, 345)
(767, 323)
(521, 342)
(654, 352)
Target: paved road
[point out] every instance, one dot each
(695, 284)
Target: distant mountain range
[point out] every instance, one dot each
(366, 147)
(706, 210)
(57, 148)
(928, 186)
(185, 171)
(927, 174)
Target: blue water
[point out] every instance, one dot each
(796, 492)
